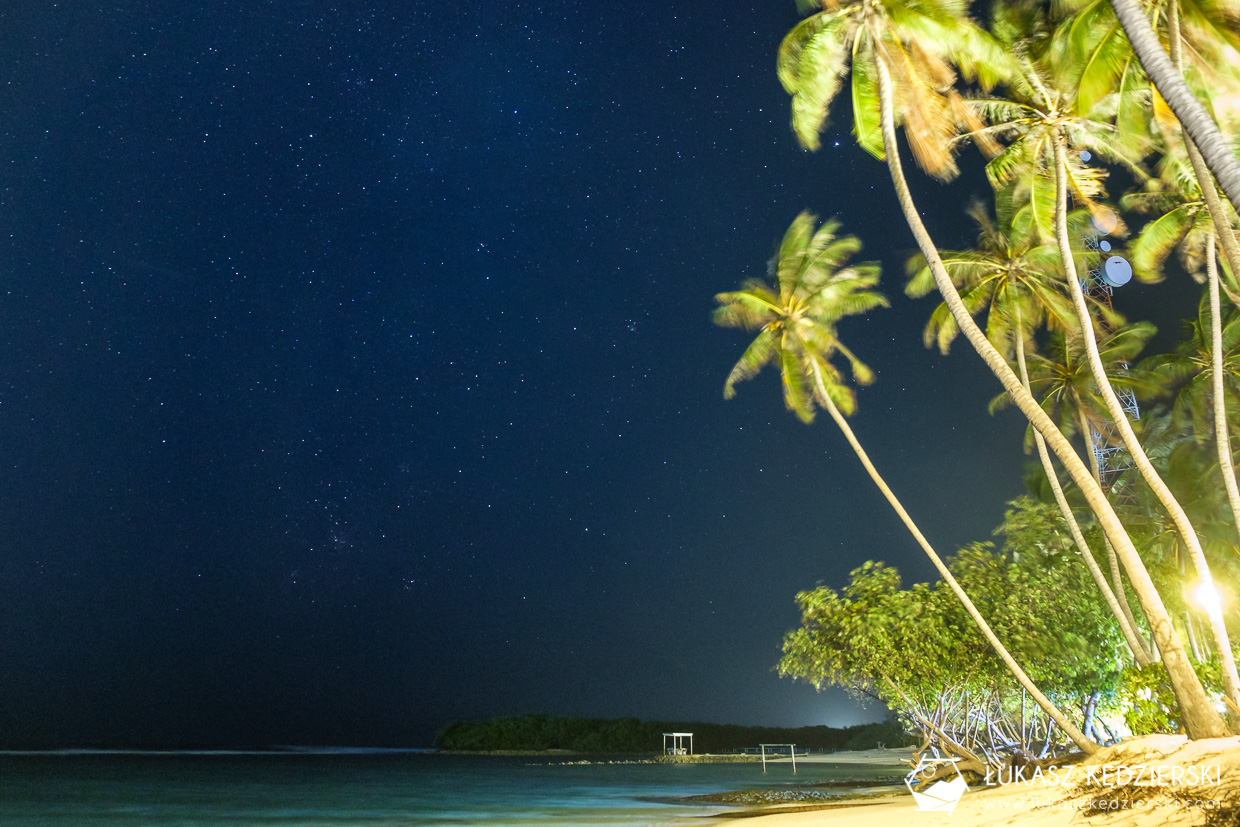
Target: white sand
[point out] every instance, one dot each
(1164, 762)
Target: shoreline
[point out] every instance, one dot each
(871, 757)
(1140, 783)
(857, 804)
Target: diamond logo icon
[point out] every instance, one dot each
(940, 796)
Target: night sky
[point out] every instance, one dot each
(357, 372)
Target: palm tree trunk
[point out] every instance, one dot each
(1222, 438)
(1117, 577)
(1199, 717)
(1079, 739)
(1218, 216)
(1117, 580)
(1209, 193)
(1135, 644)
(1192, 637)
(1119, 419)
(1231, 250)
(1170, 84)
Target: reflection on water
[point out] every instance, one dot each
(120, 790)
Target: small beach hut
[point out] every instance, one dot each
(678, 743)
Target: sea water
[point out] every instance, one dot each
(330, 788)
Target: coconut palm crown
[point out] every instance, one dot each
(796, 318)
(1011, 274)
(918, 42)
(1188, 372)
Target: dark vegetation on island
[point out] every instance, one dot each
(630, 735)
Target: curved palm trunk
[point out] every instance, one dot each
(1209, 193)
(1087, 746)
(1231, 251)
(1170, 84)
(1222, 438)
(1117, 577)
(1117, 582)
(1119, 418)
(1214, 206)
(1199, 717)
(1135, 644)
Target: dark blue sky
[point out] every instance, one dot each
(358, 374)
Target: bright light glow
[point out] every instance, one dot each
(1207, 597)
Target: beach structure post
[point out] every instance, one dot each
(678, 743)
(792, 750)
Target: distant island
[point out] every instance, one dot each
(631, 735)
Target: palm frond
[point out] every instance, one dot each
(1009, 163)
(1104, 64)
(797, 397)
(1074, 42)
(852, 304)
(1102, 138)
(811, 64)
(941, 330)
(741, 309)
(1154, 243)
(928, 121)
(1001, 402)
(865, 105)
(921, 280)
(1124, 344)
(759, 353)
(792, 251)
(1039, 218)
(1003, 111)
(980, 55)
(1132, 122)
(838, 392)
(969, 122)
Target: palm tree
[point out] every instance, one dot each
(1218, 214)
(1222, 232)
(1098, 59)
(1019, 283)
(1206, 369)
(1061, 377)
(796, 322)
(1189, 372)
(1180, 223)
(796, 327)
(1187, 465)
(1194, 227)
(1009, 271)
(1041, 123)
(1196, 121)
(1207, 35)
(1063, 380)
(882, 38)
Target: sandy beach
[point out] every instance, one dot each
(1149, 781)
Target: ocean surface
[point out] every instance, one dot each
(335, 788)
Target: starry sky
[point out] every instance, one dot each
(358, 374)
